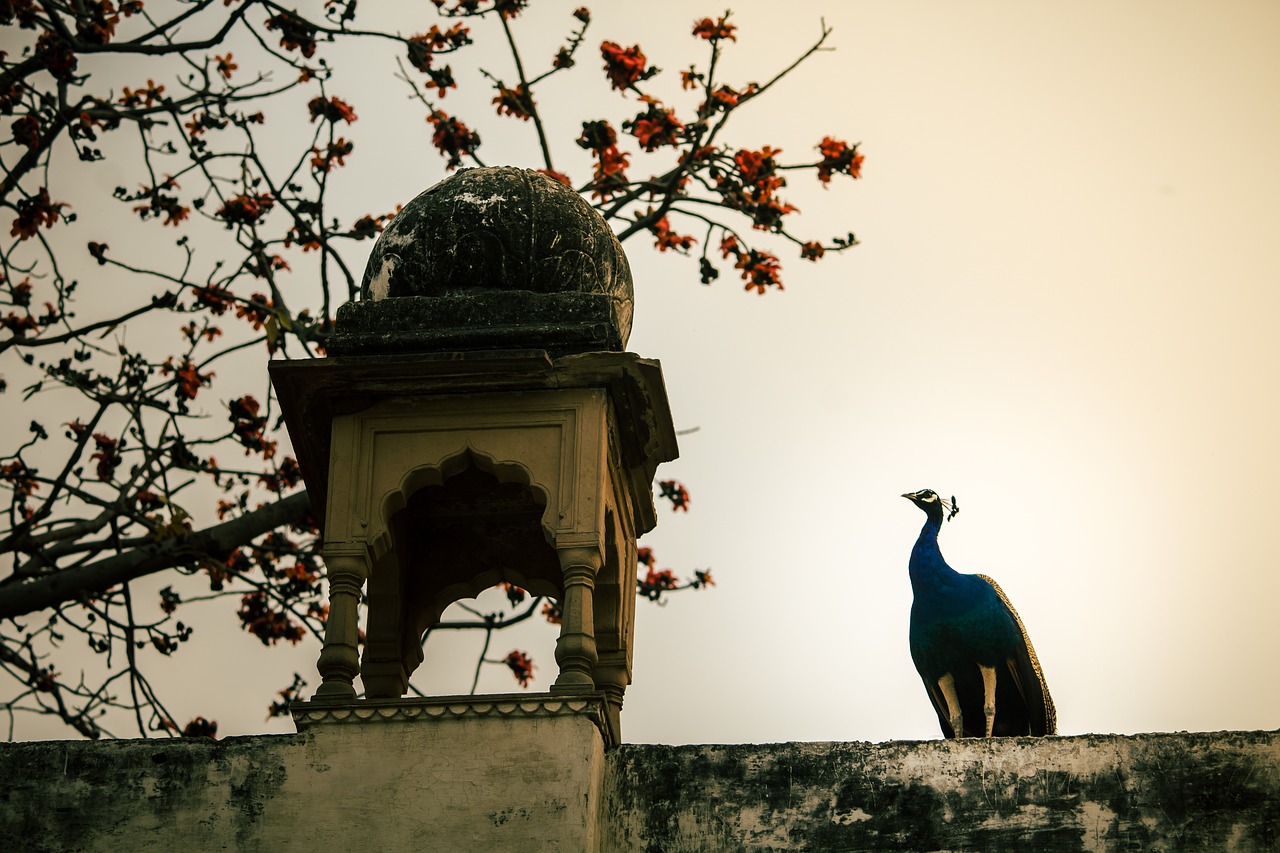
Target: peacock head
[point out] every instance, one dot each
(933, 504)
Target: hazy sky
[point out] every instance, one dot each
(1063, 312)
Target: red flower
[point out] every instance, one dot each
(452, 138)
(334, 109)
(714, 30)
(216, 299)
(667, 239)
(334, 153)
(515, 594)
(20, 476)
(190, 380)
(760, 270)
(838, 156)
(624, 66)
(645, 556)
(599, 138)
(257, 310)
(225, 65)
(245, 209)
(812, 251)
(269, 626)
(108, 456)
(35, 211)
(521, 666)
(26, 131)
(551, 612)
(200, 727)
(673, 491)
(656, 127)
(295, 33)
(247, 425)
(145, 96)
(515, 102)
(558, 177)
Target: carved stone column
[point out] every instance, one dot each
(339, 664)
(576, 649)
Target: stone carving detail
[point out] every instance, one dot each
(492, 258)
(308, 714)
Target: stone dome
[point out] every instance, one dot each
(492, 258)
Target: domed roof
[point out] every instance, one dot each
(492, 258)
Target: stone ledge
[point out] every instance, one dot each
(310, 714)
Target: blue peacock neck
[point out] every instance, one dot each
(927, 565)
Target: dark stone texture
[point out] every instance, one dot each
(1218, 791)
(1200, 791)
(492, 258)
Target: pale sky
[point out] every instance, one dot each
(1062, 312)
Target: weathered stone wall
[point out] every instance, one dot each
(452, 784)
(545, 784)
(1216, 791)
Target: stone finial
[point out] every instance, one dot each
(495, 258)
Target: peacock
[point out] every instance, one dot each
(969, 645)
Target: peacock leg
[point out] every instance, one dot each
(989, 695)
(947, 684)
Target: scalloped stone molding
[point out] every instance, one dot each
(307, 715)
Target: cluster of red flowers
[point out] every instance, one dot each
(517, 102)
(660, 580)
(216, 299)
(752, 188)
(838, 156)
(190, 380)
(625, 66)
(760, 270)
(161, 204)
(296, 33)
(551, 612)
(724, 98)
(26, 130)
(655, 127)
(812, 251)
(601, 140)
(249, 427)
(245, 209)
(263, 265)
(452, 138)
(665, 238)
(20, 477)
(515, 594)
(107, 457)
(558, 177)
(257, 310)
(332, 109)
(34, 211)
(714, 30)
(269, 626)
(286, 476)
(145, 96)
(200, 727)
(334, 153)
(521, 666)
(675, 492)
(423, 48)
(19, 324)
